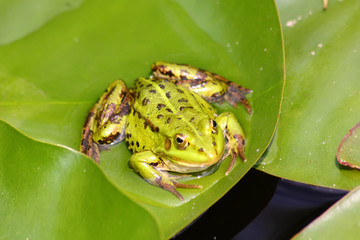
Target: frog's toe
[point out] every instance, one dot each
(238, 150)
(183, 185)
(170, 185)
(235, 94)
(240, 146)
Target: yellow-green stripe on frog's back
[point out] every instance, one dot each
(169, 106)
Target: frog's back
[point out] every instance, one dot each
(168, 107)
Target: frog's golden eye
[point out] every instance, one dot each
(213, 125)
(181, 141)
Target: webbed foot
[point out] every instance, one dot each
(235, 94)
(169, 183)
(235, 136)
(150, 166)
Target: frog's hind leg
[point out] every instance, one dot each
(235, 94)
(210, 86)
(150, 166)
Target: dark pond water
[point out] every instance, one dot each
(261, 206)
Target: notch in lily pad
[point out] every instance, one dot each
(348, 153)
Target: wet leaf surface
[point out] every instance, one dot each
(321, 95)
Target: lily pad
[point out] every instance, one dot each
(52, 76)
(53, 192)
(321, 95)
(348, 153)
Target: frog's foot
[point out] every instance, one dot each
(169, 183)
(236, 145)
(235, 94)
(235, 138)
(150, 167)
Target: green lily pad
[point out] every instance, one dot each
(321, 95)
(52, 76)
(341, 221)
(52, 192)
(348, 153)
(24, 13)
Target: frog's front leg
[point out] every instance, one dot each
(210, 86)
(105, 123)
(151, 168)
(235, 137)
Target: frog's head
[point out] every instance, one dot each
(194, 150)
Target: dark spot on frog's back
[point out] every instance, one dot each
(201, 150)
(160, 116)
(169, 110)
(145, 101)
(168, 120)
(168, 95)
(180, 91)
(152, 91)
(160, 106)
(182, 100)
(161, 86)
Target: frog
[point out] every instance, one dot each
(169, 124)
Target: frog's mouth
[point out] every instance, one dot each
(182, 165)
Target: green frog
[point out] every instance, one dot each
(168, 123)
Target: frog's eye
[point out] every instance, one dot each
(181, 141)
(213, 125)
